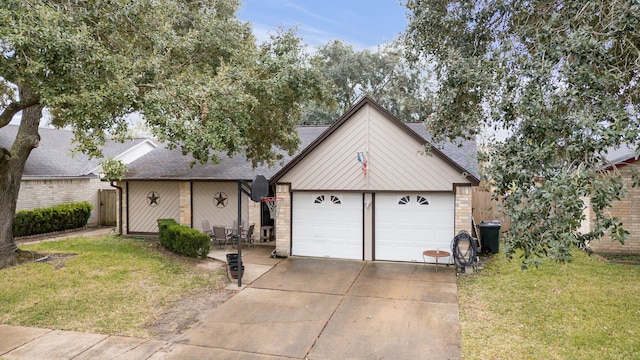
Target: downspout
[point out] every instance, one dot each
(112, 183)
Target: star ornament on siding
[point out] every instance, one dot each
(220, 199)
(153, 198)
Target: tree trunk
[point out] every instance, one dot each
(12, 165)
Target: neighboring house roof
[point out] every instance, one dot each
(53, 158)
(622, 154)
(165, 164)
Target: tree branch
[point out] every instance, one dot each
(15, 107)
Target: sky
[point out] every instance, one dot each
(364, 24)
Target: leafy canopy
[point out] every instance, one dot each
(561, 80)
(190, 68)
(384, 75)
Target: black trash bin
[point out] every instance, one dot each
(490, 236)
(232, 258)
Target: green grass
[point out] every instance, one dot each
(112, 286)
(586, 309)
(622, 257)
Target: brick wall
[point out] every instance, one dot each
(627, 211)
(254, 218)
(185, 203)
(283, 220)
(46, 193)
(463, 208)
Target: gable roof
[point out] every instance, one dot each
(53, 158)
(621, 155)
(464, 152)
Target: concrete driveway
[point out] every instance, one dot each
(309, 308)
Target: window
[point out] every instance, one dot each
(335, 200)
(422, 200)
(319, 200)
(404, 200)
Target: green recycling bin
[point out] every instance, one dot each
(490, 236)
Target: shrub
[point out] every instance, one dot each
(56, 218)
(183, 239)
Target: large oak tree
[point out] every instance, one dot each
(190, 68)
(384, 75)
(561, 80)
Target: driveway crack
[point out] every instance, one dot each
(346, 294)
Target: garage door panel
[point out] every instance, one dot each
(406, 227)
(328, 228)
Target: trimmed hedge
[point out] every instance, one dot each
(183, 239)
(57, 218)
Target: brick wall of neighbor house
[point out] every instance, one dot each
(627, 211)
(46, 193)
(185, 203)
(463, 208)
(283, 220)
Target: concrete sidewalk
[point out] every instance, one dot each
(25, 343)
(298, 308)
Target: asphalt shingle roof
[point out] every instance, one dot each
(53, 157)
(621, 154)
(162, 163)
(464, 153)
(165, 164)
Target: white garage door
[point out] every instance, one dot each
(407, 224)
(327, 225)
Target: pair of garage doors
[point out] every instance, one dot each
(404, 225)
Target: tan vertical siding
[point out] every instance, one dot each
(368, 226)
(396, 160)
(142, 216)
(333, 164)
(204, 205)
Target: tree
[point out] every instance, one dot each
(191, 69)
(562, 79)
(384, 75)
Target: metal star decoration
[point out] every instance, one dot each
(152, 199)
(220, 199)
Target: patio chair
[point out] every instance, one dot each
(206, 228)
(233, 233)
(220, 236)
(247, 236)
(234, 227)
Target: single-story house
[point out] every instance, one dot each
(362, 188)
(54, 176)
(624, 160)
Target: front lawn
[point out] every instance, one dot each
(587, 309)
(106, 285)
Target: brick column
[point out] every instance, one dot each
(283, 220)
(185, 203)
(463, 207)
(254, 216)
